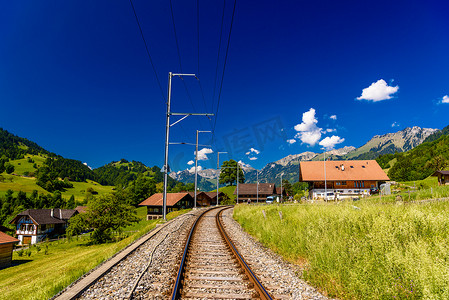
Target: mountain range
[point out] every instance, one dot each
(400, 141)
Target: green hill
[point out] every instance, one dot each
(419, 162)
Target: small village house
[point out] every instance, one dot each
(6, 247)
(249, 191)
(175, 201)
(34, 225)
(443, 177)
(344, 179)
(202, 199)
(213, 196)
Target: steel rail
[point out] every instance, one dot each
(263, 294)
(176, 292)
(180, 277)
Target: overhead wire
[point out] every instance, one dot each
(224, 66)
(150, 58)
(179, 55)
(148, 51)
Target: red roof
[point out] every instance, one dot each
(341, 170)
(6, 239)
(157, 199)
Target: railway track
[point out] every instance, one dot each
(188, 258)
(211, 267)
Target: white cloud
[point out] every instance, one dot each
(308, 132)
(291, 141)
(202, 154)
(252, 158)
(395, 124)
(378, 91)
(445, 99)
(192, 169)
(333, 117)
(252, 150)
(329, 142)
(190, 162)
(329, 130)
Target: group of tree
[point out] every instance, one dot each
(419, 162)
(13, 203)
(14, 147)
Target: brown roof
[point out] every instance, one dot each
(43, 216)
(251, 189)
(213, 195)
(157, 199)
(6, 239)
(341, 170)
(197, 194)
(440, 172)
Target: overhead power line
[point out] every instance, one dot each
(224, 66)
(148, 51)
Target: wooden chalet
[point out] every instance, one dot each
(249, 191)
(6, 247)
(34, 225)
(443, 177)
(202, 199)
(213, 196)
(175, 201)
(344, 179)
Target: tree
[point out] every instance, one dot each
(105, 214)
(9, 168)
(228, 174)
(71, 203)
(287, 187)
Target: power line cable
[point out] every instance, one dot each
(224, 66)
(179, 58)
(148, 51)
(218, 56)
(149, 56)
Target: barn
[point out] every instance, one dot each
(6, 246)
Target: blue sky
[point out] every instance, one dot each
(76, 79)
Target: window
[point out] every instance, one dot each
(343, 183)
(337, 183)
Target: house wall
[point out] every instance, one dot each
(6, 254)
(348, 184)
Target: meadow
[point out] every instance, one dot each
(52, 266)
(360, 250)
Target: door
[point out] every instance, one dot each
(26, 240)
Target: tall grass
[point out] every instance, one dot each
(365, 252)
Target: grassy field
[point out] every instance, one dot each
(40, 276)
(368, 251)
(28, 184)
(22, 165)
(414, 191)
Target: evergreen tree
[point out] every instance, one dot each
(71, 203)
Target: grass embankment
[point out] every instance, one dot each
(40, 276)
(371, 251)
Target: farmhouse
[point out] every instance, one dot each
(175, 201)
(202, 198)
(343, 178)
(249, 191)
(34, 225)
(443, 177)
(213, 196)
(6, 246)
